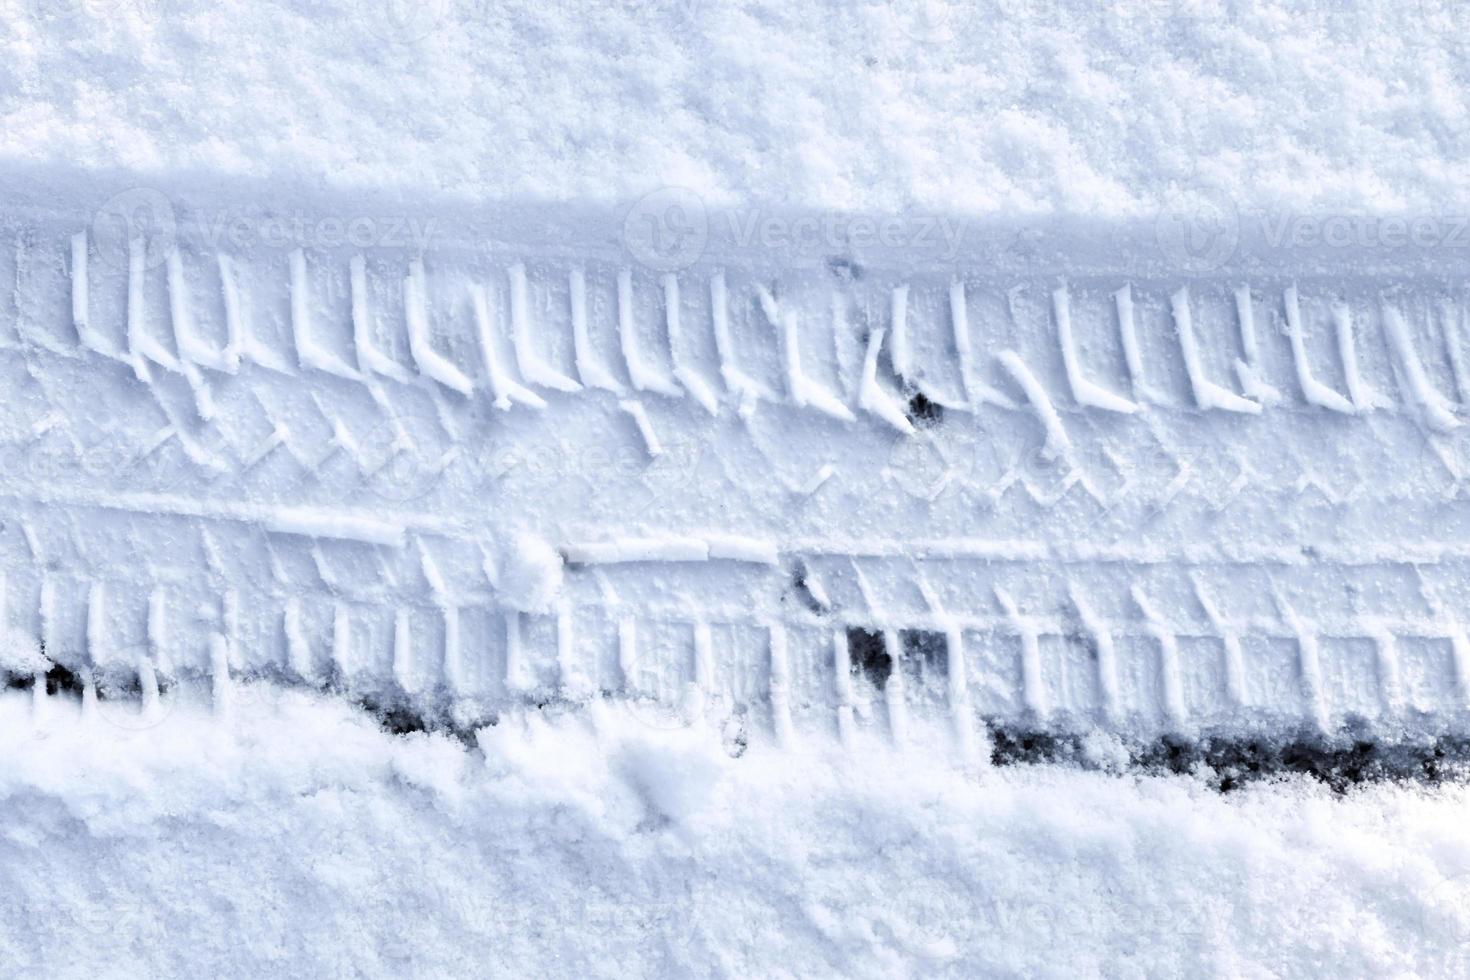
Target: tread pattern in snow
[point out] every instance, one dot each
(1138, 502)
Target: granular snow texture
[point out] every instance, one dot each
(984, 107)
(301, 840)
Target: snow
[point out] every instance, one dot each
(300, 839)
(20, 654)
(990, 107)
(531, 575)
(292, 836)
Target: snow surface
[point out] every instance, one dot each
(301, 840)
(996, 107)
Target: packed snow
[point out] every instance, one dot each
(295, 835)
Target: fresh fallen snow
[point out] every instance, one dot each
(297, 838)
(973, 107)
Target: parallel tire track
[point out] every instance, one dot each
(817, 499)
